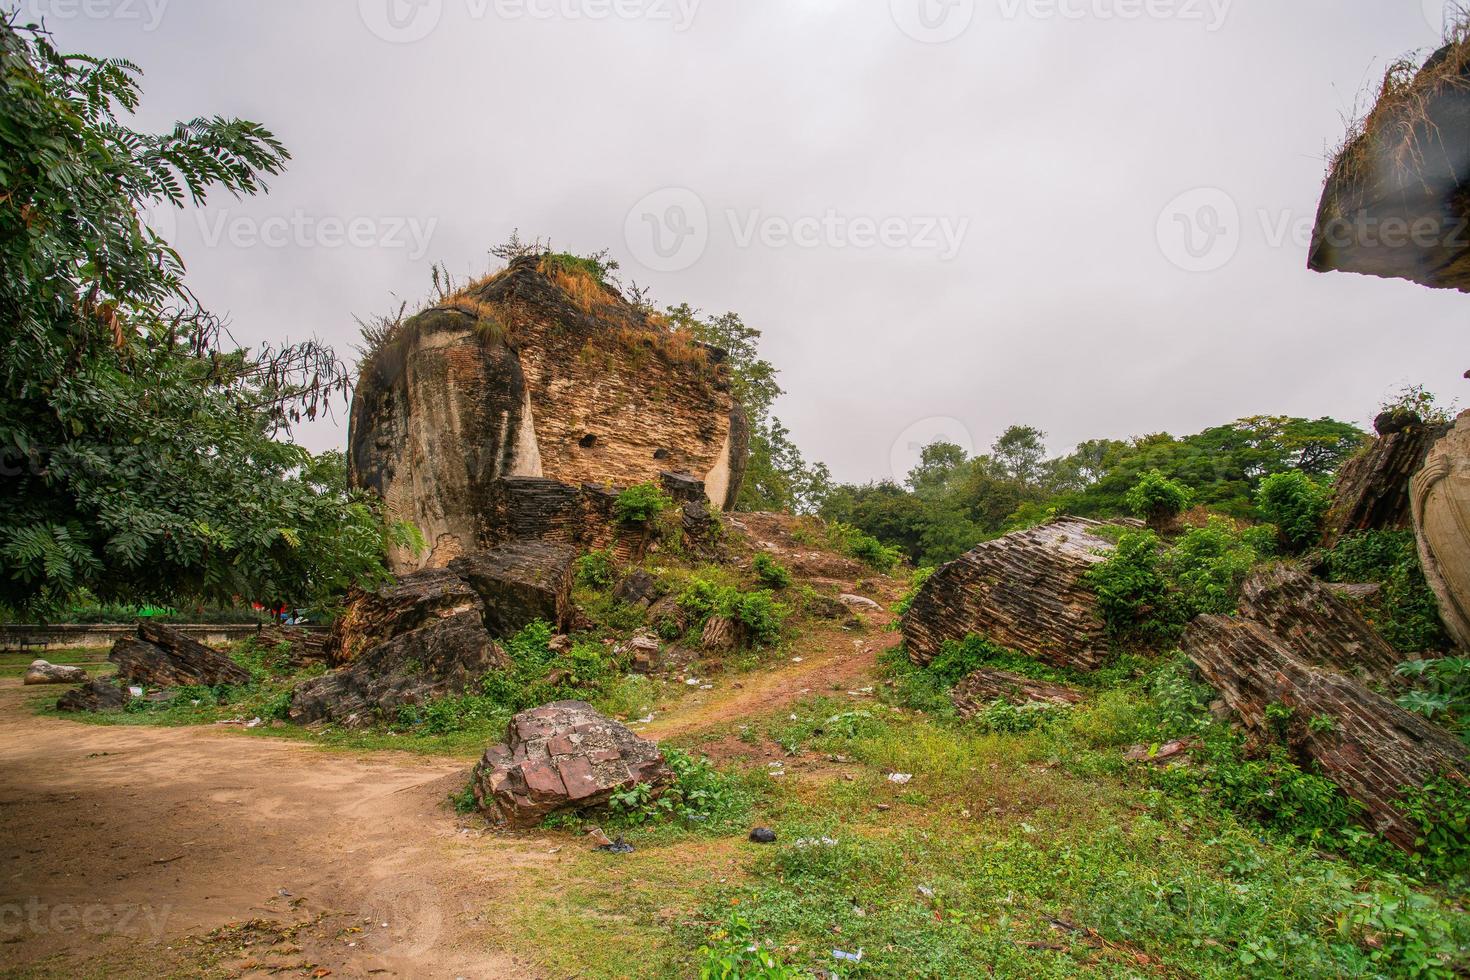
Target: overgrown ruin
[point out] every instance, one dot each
(508, 410)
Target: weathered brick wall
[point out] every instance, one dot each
(1315, 622)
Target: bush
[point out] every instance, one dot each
(733, 952)
(1003, 718)
(641, 503)
(1148, 593)
(1441, 810)
(772, 574)
(1442, 691)
(1405, 612)
(759, 612)
(1158, 499)
(916, 585)
(864, 547)
(698, 794)
(1296, 505)
(596, 569)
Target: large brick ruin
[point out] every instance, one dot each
(512, 409)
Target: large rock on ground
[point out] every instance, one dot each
(510, 586)
(1372, 748)
(406, 604)
(1315, 622)
(1372, 488)
(44, 672)
(1024, 591)
(559, 756)
(985, 686)
(97, 695)
(540, 373)
(441, 659)
(161, 656)
(1440, 494)
(520, 582)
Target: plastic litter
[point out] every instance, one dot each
(839, 954)
(618, 846)
(899, 778)
(815, 842)
(763, 835)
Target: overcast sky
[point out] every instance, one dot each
(946, 216)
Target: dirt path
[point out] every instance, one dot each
(351, 863)
(155, 834)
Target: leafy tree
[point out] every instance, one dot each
(1019, 452)
(777, 476)
(138, 440)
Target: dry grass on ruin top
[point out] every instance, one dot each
(1400, 122)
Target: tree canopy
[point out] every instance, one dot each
(141, 445)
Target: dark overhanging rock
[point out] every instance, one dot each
(1025, 591)
(562, 755)
(1397, 202)
(161, 656)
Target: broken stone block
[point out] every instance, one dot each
(720, 633)
(984, 687)
(439, 660)
(520, 582)
(1316, 623)
(96, 695)
(638, 588)
(405, 604)
(1366, 744)
(1024, 591)
(44, 672)
(1372, 488)
(161, 656)
(559, 756)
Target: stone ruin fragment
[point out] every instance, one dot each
(514, 409)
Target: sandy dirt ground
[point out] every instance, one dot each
(267, 857)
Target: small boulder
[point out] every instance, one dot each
(859, 602)
(638, 588)
(520, 582)
(97, 695)
(763, 835)
(411, 602)
(560, 756)
(825, 607)
(43, 672)
(644, 653)
(984, 687)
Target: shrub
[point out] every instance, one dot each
(1441, 811)
(1296, 505)
(772, 574)
(698, 794)
(957, 659)
(1405, 611)
(641, 503)
(733, 952)
(863, 546)
(596, 569)
(1207, 566)
(1158, 499)
(1003, 718)
(759, 612)
(1442, 690)
(1132, 593)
